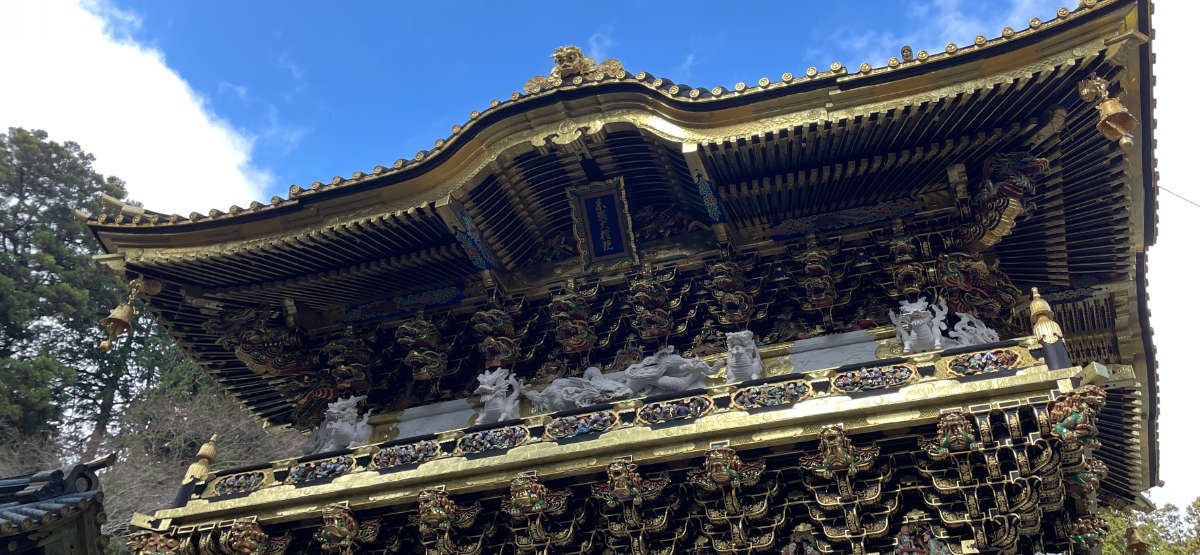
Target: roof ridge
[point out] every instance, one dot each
(575, 71)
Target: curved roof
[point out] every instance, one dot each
(779, 155)
(33, 505)
(682, 113)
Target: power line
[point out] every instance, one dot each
(1179, 196)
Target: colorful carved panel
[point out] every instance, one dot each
(320, 469)
(686, 408)
(772, 394)
(411, 453)
(876, 377)
(402, 304)
(653, 223)
(565, 427)
(239, 483)
(985, 362)
(496, 438)
(851, 217)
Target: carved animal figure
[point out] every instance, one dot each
(744, 362)
(666, 371)
(972, 331)
(569, 393)
(501, 395)
(835, 452)
(569, 61)
(342, 428)
(919, 325)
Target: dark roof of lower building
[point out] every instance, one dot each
(32, 504)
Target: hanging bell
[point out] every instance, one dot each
(1135, 544)
(118, 322)
(1116, 123)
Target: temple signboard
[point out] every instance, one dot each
(602, 224)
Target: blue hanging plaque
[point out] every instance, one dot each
(602, 224)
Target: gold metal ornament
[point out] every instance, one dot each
(1042, 318)
(1116, 123)
(118, 322)
(204, 458)
(120, 319)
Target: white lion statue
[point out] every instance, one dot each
(919, 325)
(342, 428)
(501, 395)
(743, 361)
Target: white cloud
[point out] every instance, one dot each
(1172, 261)
(289, 65)
(284, 135)
(75, 73)
(937, 24)
(599, 45)
(683, 71)
(242, 92)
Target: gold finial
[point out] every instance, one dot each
(1044, 327)
(204, 457)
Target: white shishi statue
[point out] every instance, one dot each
(570, 393)
(501, 395)
(342, 428)
(743, 361)
(919, 325)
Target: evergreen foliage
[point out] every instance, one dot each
(51, 295)
(66, 400)
(1165, 530)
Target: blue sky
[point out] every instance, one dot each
(330, 88)
(206, 104)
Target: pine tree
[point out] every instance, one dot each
(51, 295)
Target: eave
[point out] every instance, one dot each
(644, 102)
